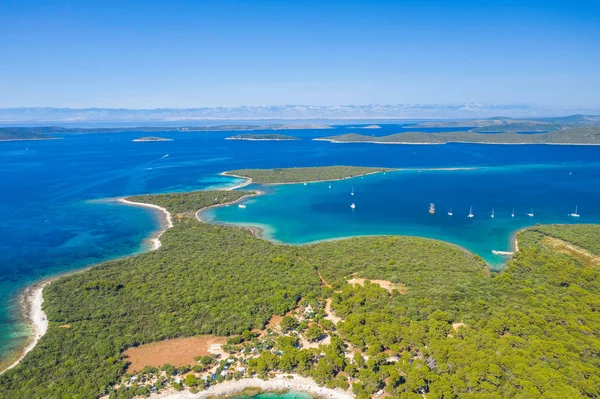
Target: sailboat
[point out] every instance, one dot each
(493, 213)
(353, 206)
(242, 205)
(329, 185)
(575, 215)
(530, 214)
(352, 192)
(471, 213)
(512, 215)
(450, 213)
(432, 208)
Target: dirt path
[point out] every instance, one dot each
(329, 313)
(585, 257)
(325, 283)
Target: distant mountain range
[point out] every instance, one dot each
(280, 112)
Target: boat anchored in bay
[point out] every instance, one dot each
(575, 215)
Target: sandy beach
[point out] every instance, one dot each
(32, 304)
(280, 383)
(243, 184)
(169, 220)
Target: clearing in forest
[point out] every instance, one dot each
(387, 285)
(586, 258)
(176, 352)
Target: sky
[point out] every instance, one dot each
(185, 54)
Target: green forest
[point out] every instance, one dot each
(459, 331)
(298, 175)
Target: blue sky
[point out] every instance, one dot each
(229, 53)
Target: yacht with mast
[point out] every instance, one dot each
(471, 213)
(530, 214)
(575, 215)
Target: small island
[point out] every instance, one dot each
(262, 137)
(371, 127)
(300, 175)
(150, 138)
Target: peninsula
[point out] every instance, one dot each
(262, 137)
(151, 138)
(400, 316)
(13, 134)
(572, 136)
(300, 175)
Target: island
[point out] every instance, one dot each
(14, 134)
(208, 128)
(504, 124)
(300, 175)
(262, 137)
(150, 138)
(215, 309)
(573, 136)
(371, 127)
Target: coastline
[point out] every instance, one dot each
(169, 220)
(31, 303)
(448, 142)
(32, 296)
(254, 230)
(307, 181)
(280, 383)
(243, 184)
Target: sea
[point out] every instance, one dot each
(58, 212)
(275, 395)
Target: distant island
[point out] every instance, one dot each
(371, 127)
(39, 130)
(262, 137)
(505, 125)
(573, 136)
(299, 175)
(17, 133)
(151, 138)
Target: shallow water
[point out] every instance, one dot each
(398, 203)
(54, 216)
(272, 395)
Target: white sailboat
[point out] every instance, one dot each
(242, 205)
(471, 213)
(450, 213)
(512, 215)
(329, 185)
(575, 215)
(353, 206)
(352, 192)
(493, 216)
(530, 214)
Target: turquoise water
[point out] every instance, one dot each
(55, 216)
(398, 203)
(271, 395)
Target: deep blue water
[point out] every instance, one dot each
(55, 217)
